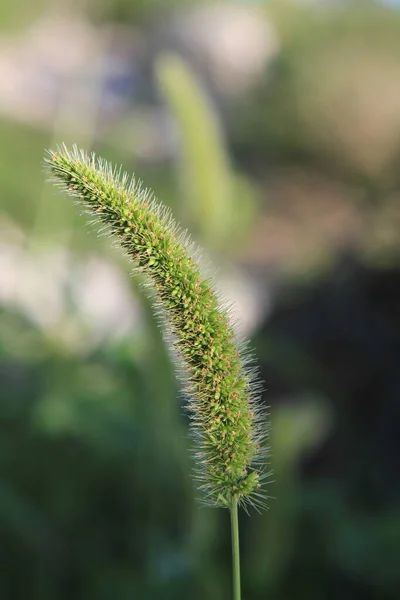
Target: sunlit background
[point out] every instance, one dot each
(272, 130)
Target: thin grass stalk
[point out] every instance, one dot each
(235, 551)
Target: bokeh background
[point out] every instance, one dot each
(272, 130)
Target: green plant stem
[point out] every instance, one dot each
(235, 551)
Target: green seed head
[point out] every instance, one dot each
(226, 422)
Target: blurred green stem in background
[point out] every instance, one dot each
(205, 163)
(219, 203)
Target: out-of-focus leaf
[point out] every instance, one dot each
(216, 204)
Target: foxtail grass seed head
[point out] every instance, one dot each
(228, 426)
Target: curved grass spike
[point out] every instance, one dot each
(227, 424)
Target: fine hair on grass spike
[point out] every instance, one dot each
(227, 423)
(228, 426)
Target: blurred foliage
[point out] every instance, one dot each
(96, 498)
(14, 16)
(217, 204)
(96, 495)
(133, 11)
(346, 325)
(334, 96)
(328, 107)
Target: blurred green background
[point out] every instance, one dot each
(272, 130)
